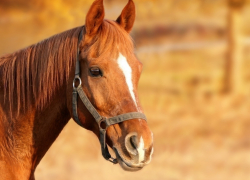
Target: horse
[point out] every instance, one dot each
(89, 73)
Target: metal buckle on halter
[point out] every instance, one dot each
(80, 81)
(113, 160)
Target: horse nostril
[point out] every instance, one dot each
(134, 141)
(131, 143)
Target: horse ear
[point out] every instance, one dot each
(94, 17)
(127, 18)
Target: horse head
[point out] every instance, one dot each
(110, 73)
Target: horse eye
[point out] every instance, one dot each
(95, 72)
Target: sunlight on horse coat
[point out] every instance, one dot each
(36, 93)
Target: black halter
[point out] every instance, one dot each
(99, 119)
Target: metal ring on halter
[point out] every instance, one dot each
(104, 121)
(79, 79)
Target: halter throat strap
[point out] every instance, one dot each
(102, 122)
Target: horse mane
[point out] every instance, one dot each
(33, 74)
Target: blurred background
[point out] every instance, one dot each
(194, 88)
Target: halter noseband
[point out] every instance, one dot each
(99, 119)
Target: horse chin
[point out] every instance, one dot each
(125, 165)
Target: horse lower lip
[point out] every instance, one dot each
(118, 157)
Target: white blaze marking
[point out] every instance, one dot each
(141, 151)
(127, 71)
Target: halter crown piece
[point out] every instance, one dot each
(99, 119)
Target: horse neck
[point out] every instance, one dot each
(27, 137)
(48, 124)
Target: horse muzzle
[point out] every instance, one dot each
(135, 155)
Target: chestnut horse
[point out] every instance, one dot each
(36, 94)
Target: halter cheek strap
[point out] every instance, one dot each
(98, 118)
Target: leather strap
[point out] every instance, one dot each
(88, 104)
(77, 77)
(124, 117)
(77, 70)
(74, 105)
(109, 121)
